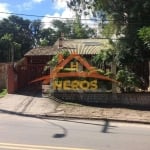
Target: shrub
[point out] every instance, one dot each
(3, 92)
(128, 80)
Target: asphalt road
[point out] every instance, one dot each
(25, 133)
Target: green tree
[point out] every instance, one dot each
(72, 29)
(36, 27)
(78, 30)
(15, 30)
(128, 81)
(81, 31)
(12, 46)
(62, 27)
(128, 17)
(48, 37)
(109, 29)
(144, 35)
(103, 59)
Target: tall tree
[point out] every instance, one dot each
(73, 29)
(11, 45)
(144, 35)
(78, 30)
(17, 30)
(128, 16)
(36, 27)
(48, 37)
(62, 27)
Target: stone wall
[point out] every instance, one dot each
(108, 99)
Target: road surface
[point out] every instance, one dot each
(26, 133)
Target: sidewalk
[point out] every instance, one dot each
(37, 106)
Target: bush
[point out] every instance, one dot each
(3, 92)
(128, 80)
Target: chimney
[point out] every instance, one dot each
(61, 40)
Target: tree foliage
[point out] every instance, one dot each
(13, 46)
(128, 81)
(18, 35)
(126, 23)
(144, 34)
(73, 29)
(103, 59)
(127, 16)
(48, 37)
(14, 36)
(35, 28)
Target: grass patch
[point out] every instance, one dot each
(3, 92)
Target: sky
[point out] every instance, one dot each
(47, 9)
(44, 8)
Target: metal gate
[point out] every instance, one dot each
(27, 73)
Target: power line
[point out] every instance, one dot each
(61, 18)
(41, 16)
(96, 22)
(72, 19)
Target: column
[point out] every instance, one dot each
(113, 70)
(149, 76)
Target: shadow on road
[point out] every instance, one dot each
(107, 126)
(60, 118)
(31, 90)
(58, 135)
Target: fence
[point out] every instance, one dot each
(108, 99)
(20, 77)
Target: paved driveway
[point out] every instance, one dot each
(27, 104)
(33, 104)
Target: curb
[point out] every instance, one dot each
(65, 117)
(100, 119)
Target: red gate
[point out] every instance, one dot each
(27, 73)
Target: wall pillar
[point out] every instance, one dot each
(149, 76)
(114, 70)
(11, 79)
(3, 75)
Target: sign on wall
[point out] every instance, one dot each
(74, 73)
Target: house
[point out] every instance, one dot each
(34, 61)
(38, 57)
(82, 46)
